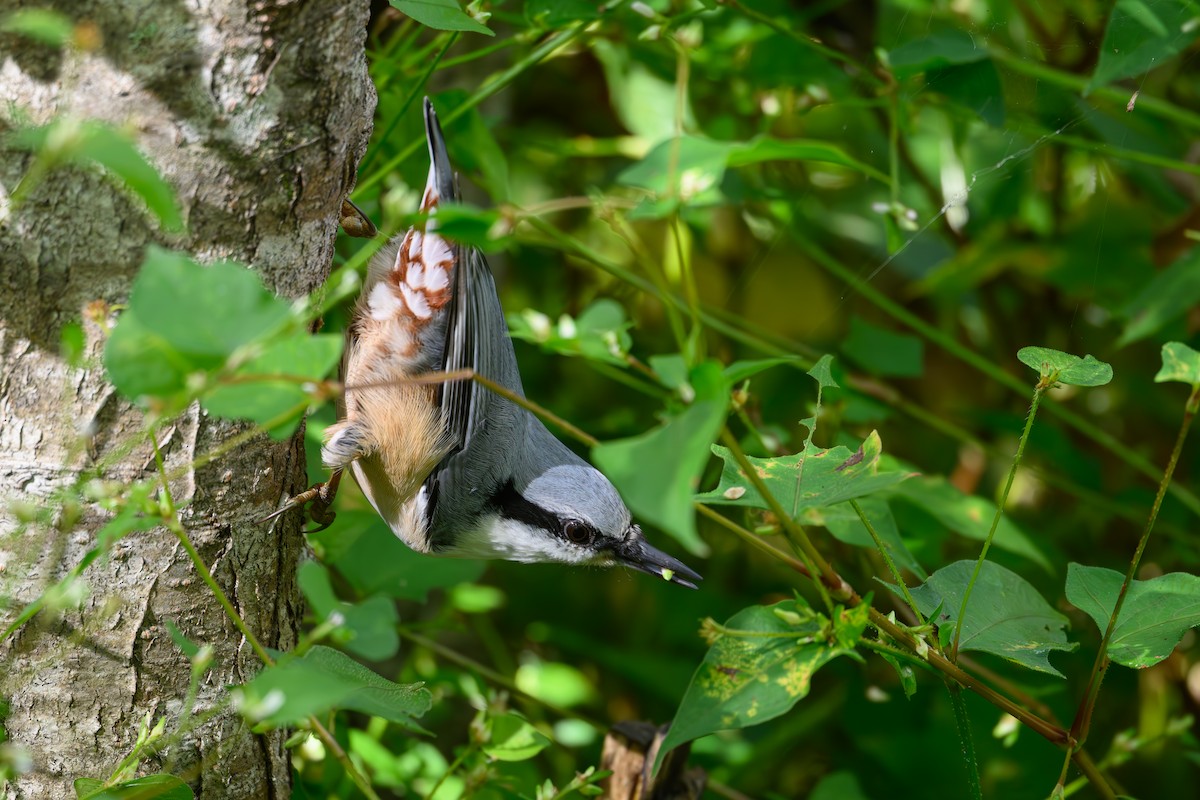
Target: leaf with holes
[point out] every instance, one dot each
(1005, 616)
(824, 477)
(1155, 616)
(759, 665)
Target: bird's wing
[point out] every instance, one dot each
(482, 428)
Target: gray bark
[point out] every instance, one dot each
(257, 112)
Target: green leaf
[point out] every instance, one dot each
(968, 515)
(300, 356)
(698, 164)
(1155, 616)
(204, 312)
(443, 15)
(72, 343)
(475, 598)
(554, 682)
(829, 476)
(658, 472)
(130, 518)
(367, 629)
(85, 787)
(1064, 367)
(1179, 363)
(1005, 617)
(844, 524)
(142, 364)
(739, 371)
(975, 86)
(512, 738)
(368, 555)
(822, 372)
(462, 223)
(40, 24)
(184, 318)
(759, 665)
(1141, 36)
(640, 97)
(324, 679)
(883, 352)
(186, 645)
(939, 50)
(150, 787)
(766, 148)
(1167, 296)
(838, 786)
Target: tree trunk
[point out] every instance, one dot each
(256, 111)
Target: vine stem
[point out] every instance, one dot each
(1083, 718)
(830, 584)
(963, 723)
(887, 559)
(175, 525)
(1043, 384)
(487, 90)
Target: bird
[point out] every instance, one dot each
(453, 468)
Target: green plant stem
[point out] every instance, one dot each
(963, 723)
(987, 542)
(1083, 717)
(399, 115)
(973, 359)
(175, 525)
(754, 541)
(830, 584)
(450, 770)
(887, 559)
(495, 84)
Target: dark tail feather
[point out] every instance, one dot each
(441, 174)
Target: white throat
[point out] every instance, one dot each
(500, 537)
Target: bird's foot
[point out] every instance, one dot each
(317, 502)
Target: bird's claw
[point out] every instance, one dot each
(316, 502)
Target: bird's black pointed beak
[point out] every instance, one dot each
(441, 174)
(639, 554)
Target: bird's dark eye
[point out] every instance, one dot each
(577, 532)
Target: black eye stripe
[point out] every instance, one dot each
(510, 504)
